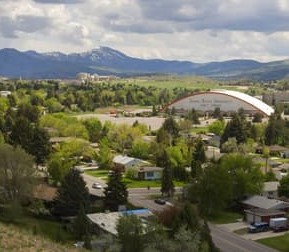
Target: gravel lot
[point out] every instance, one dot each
(153, 122)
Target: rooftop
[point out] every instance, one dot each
(265, 203)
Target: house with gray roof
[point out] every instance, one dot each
(262, 202)
(123, 163)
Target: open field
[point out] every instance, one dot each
(153, 123)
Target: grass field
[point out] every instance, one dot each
(225, 217)
(280, 243)
(23, 219)
(13, 238)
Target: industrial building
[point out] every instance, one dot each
(226, 100)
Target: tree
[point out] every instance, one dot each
(187, 217)
(93, 127)
(230, 146)
(235, 128)
(214, 190)
(217, 127)
(171, 126)
(257, 118)
(198, 158)
(245, 175)
(104, 156)
(283, 189)
(140, 149)
(58, 166)
(167, 184)
(32, 138)
(130, 233)
(115, 192)
(40, 146)
(81, 225)
(71, 195)
(17, 173)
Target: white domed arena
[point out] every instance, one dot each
(228, 101)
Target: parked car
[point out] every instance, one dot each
(160, 201)
(96, 186)
(258, 227)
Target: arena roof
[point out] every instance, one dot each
(254, 102)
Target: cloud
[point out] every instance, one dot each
(59, 1)
(184, 29)
(11, 26)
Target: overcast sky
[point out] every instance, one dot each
(195, 30)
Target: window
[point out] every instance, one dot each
(150, 174)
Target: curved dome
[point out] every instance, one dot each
(226, 100)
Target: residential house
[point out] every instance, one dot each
(123, 163)
(149, 173)
(260, 202)
(262, 215)
(106, 223)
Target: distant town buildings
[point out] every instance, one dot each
(276, 98)
(83, 77)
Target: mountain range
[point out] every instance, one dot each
(107, 61)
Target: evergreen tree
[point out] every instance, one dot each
(167, 185)
(130, 233)
(81, 225)
(40, 146)
(115, 192)
(71, 195)
(198, 158)
(235, 128)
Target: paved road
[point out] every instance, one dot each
(137, 196)
(230, 242)
(89, 180)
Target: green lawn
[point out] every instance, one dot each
(98, 174)
(131, 183)
(280, 243)
(225, 217)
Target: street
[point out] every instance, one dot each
(228, 242)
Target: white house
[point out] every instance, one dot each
(124, 163)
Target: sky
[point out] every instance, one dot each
(193, 30)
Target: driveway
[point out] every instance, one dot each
(231, 227)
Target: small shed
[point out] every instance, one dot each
(262, 215)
